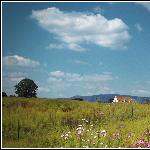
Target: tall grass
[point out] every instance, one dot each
(42, 122)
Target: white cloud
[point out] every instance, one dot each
(81, 62)
(138, 27)
(145, 4)
(55, 46)
(69, 84)
(57, 74)
(43, 89)
(16, 60)
(141, 92)
(73, 29)
(71, 77)
(98, 9)
(14, 76)
(71, 46)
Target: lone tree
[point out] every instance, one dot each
(4, 94)
(26, 88)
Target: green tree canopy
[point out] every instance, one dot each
(26, 88)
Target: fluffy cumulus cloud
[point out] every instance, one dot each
(73, 29)
(10, 79)
(71, 77)
(14, 76)
(145, 4)
(60, 82)
(19, 61)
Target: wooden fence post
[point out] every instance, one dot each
(132, 112)
(18, 130)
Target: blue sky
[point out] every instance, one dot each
(77, 48)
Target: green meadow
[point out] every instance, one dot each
(62, 123)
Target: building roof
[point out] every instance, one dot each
(123, 98)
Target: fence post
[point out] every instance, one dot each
(132, 112)
(18, 130)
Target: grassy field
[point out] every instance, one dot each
(43, 123)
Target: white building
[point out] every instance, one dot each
(115, 100)
(122, 99)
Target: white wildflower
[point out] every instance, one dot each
(62, 135)
(104, 133)
(85, 147)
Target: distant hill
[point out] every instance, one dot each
(106, 97)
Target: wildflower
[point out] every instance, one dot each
(85, 147)
(91, 125)
(87, 140)
(95, 137)
(104, 133)
(94, 143)
(148, 145)
(101, 113)
(69, 132)
(62, 135)
(86, 121)
(65, 137)
(80, 125)
(87, 130)
(83, 119)
(129, 136)
(117, 134)
(80, 130)
(101, 143)
(147, 132)
(141, 141)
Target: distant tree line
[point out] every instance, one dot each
(5, 95)
(147, 101)
(78, 99)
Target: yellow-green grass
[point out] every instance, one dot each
(34, 122)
